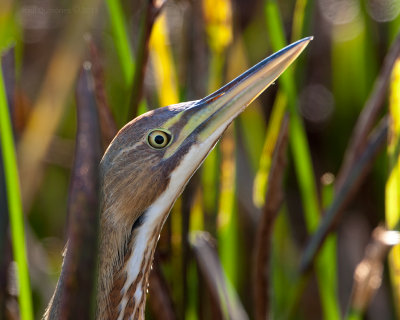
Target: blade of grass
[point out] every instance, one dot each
(4, 243)
(228, 244)
(188, 198)
(8, 65)
(193, 296)
(15, 205)
(393, 181)
(151, 9)
(349, 66)
(298, 19)
(262, 252)
(196, 214)
(297, 137)
(261, 180)
(121, 40)
(127, 60)
(284, 280)
(220, 289)
(196, 224)
(218, 24)
(394, 27)
(209, 182)
(9, 27)
(164, 66)
(326, 270)
(302, 157)
(260, 186)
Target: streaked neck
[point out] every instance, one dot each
(123, 286)
(126, 252)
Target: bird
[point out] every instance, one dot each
(145, 169)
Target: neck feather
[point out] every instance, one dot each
(125, 262)
(126, 252)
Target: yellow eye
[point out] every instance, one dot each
(158, 139)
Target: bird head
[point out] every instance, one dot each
(164, 147)
(151, 159)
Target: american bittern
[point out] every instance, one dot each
(145, 169)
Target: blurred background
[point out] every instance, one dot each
(261, 193)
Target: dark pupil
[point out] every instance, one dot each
(159, 139)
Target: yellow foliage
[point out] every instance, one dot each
(218, 20)
(164, 66)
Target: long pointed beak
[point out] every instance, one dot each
(211, 115)
(229, 101)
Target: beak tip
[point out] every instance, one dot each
(306, 40)
(298, 46)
